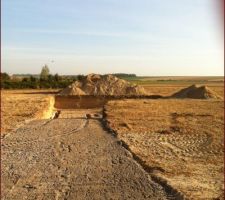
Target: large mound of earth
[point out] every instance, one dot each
(103, 85)
(196, 92)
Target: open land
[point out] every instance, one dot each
(181, 141)
(173, 147)
(166, 86)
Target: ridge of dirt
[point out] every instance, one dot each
(171, 192)
(196, 92)
(22, 108)
(102, 85)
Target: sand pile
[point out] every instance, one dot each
(104, 85)
(196, 92)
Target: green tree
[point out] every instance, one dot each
(33, 79)
(5, 77)
(45, 72)
(80, 77)
(50, 78)
(25, 80)
(57, 77)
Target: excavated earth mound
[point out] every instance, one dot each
(196, 92)
(103, 85)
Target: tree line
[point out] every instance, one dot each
(124, 75)
(45, 80)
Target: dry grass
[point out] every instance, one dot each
(17, 106)
(180, 140)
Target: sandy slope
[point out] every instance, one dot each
(18, 106)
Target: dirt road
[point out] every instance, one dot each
(71, 159)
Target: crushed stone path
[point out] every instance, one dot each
(71, 159)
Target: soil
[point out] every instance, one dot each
(165, 149)
(72, 158)
(169, 89)
(104, 85)
(196, 92)
(181, 141)
(19, 106)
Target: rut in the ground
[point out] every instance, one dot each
(85, 164)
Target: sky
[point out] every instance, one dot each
(145, 37)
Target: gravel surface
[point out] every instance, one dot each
(71, 159)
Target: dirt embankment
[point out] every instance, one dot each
(47, 111)
(18, 107)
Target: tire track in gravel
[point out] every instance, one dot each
(90, 164)
(85, 124)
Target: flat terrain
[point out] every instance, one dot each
(181, 141)
(71, 159)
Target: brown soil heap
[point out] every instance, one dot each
(103, 85)
(196, 92)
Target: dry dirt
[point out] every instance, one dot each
(70, 158)
(196, 92)
(181, 141)
(19, 106)
(74, 157)
(169, 89)
(106, 85)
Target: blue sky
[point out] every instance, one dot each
(146, 37)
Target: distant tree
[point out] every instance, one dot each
(25, 79)
(5, 77)
(44, 73)
(80, 77)
(56, 77)
(123, 75)
(15, 78)
(50, 78)
(33, 79)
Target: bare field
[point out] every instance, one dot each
(181, 141)
(17, 106)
